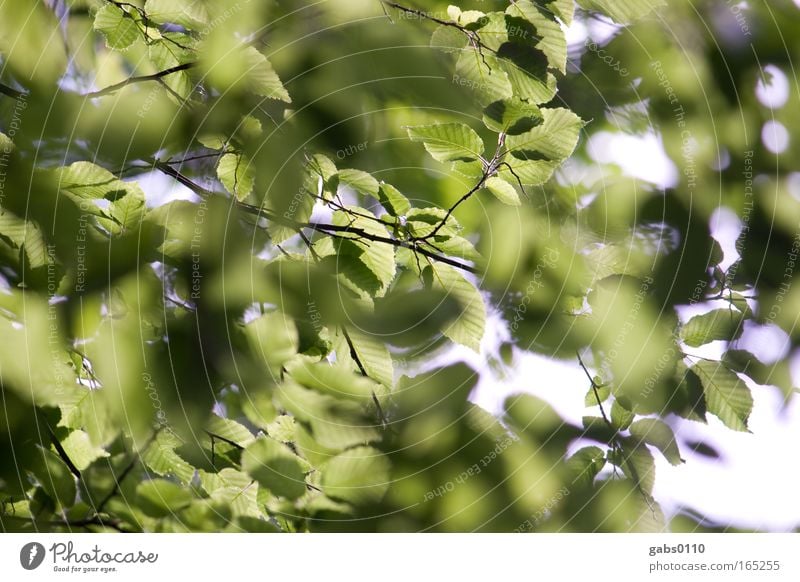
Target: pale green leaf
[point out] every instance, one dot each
(393, 200)
(360, 181)
(448, 142)
(512, 116)
(727, 396)
(503, 191)
(161, 458)
(160, 498)
(248, 69)
(6, 144)
(554, 139)
(621, 417)
(585, 465)
(80, 450)
(359, 475)
(551, 38)
(527, 172)
(324, 168)
(273, 337)
(333, 380)
(275, 466)
(469, 19)
(564, 9)
(656, 433)
(24, 234)
(527, 72)
(622, 11)
(374, 356)
(637, 462)
(333, 423)
(119, 28)
(55, 478)
(482, 76)
(188, 13)
(719, 324)
(229, 430)
(237, 174)
(378, 257)
(467, 329)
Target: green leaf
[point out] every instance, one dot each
(448, 142)
(554, 139)
(333, 380)
(377, 257)
(617, 259)
(585, 465)
(333, 423)
(166, 55)
(622, 11)
(512, 116)
(719, 324)
(161, 458)
(503, 191)
(80, 450)
(188, 13)
(527, 172)
(230, 430)
(248, 69)
(564, 9)
(469, 19)
(637, 462)
(323, 167)
(621, 417)
(119, 29)
(467, 329)
(233, 489)
(282, 428)
(604, 392)
(482, 76)
(527, 72)
(84, 181)
(393, 200)
(727, 396)
(423, 221)
(55, 478)
(374, 356)
(237, 174)
(6, 143)
(656, 433)
(25, 235)
(552, 40)
(160, 498)
(273, 337)
(448, 39)
(275, 467)
(359, 476)
(456, 246)
(360, 181)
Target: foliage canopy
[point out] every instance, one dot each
(364, 184)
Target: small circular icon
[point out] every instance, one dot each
(31, 555)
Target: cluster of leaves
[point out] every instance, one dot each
(230, 362)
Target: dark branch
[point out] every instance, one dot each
(141, 79)
(333, 230)
(6, 90)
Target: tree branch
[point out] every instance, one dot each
(334, 230)
(11, 92)
(141, 79)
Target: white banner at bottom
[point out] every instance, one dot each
(390, 557)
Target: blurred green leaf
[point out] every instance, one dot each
(275, 467)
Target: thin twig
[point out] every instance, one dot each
(140, 79)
